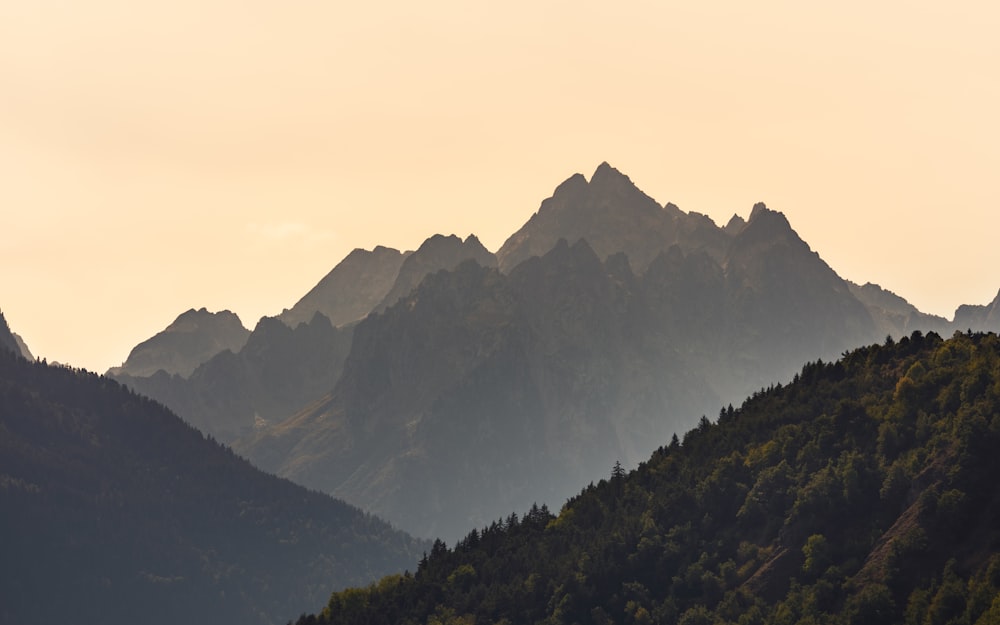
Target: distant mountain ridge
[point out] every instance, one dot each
(193, 338)
(279, 370)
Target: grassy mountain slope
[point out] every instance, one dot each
(863, 492)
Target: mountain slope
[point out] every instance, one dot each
(8, 340)
(114, 511)
(862, 493)
(193, 338)
(787, 304)
(22, 347)
(370, 437)
(351, 290)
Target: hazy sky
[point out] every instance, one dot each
(158, 156)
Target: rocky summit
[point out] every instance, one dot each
(193, 338)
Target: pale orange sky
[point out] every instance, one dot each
(156, 157)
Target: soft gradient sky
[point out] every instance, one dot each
(158, 156)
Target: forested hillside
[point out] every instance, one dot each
(112, 510)
(864, 492)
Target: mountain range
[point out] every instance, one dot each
(481, 383)
(113, 510)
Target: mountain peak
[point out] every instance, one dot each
(604, 168)
(573, 185)
(735, 224)
(758, 209)
(192, 338)
(763, 219)
(473, 242)
(613, 215)
(436, 241)
(606, 175)
(189, 320)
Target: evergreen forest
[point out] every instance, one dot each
(864, 492)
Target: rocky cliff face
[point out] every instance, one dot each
(351, 290)
(193, 338)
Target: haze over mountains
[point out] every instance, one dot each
(481, 383)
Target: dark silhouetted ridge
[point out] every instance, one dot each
(115, 511)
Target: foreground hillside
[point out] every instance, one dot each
(865, 492)
(112, 510)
